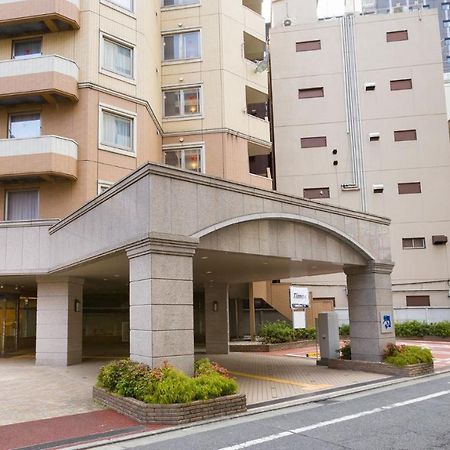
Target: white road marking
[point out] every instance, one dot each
(274, 437)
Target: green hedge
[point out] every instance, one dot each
(403, 355)
(166, 385)
(280, 331)
(414, 328)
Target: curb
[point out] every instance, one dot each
(272, 406)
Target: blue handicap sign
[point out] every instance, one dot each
(387, 322)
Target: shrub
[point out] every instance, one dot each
(441, 329)
(346, 350)
(276, 332)
(403, 355)
(412, 328)
(344, 330)
(305, 333)
(166, 385)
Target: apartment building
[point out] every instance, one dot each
(360, 121)
(90, 90)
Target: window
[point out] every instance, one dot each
(22, 205)
(311, 92)
(26, 48)
(182, 102)
(409, 188)
(117, 131)
(417, 300)
(413, 243)
(307, 46)
(311, 193)
(103, 186)
(405, 135)
(179, 2)
(446, 23)
(395, 36)
(399, 85)
(125, 4)
(117, 58)
(185, 158)
(24, 125)
(310, 142)
(181, 46)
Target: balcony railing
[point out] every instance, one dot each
(41, 79)
(38, 157)
(22, 17)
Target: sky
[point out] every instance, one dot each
(326, 8)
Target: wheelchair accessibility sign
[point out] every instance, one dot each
(387, 322)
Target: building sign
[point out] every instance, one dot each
(298, 319)
(387, 322)
(299, 297)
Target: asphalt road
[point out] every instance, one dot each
(415, 415)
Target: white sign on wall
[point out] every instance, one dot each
(299, 297)
(387, 322)
(298, 319)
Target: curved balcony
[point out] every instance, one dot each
(21, 17)
(40, 157)
(41, 79)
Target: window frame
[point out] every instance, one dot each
(198, 115)
(311, 41)
(410, 183)
(325, 188)
(21, 190)
(103, 184)
(188, 146)
(30, 38)
(128, 12)
(121, 113)
(23, 113)
(174, 7)
(321, 89)
(414, 247)
(183, 60)
(392, 33)
(107, 37)
(419, 296)
(314, 142)
(393, 84)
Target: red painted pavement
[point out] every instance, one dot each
(68, 427)
(439, 349)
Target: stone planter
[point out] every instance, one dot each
(413, 370)
(261, 347)
(171, 414)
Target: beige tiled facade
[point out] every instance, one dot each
(355, 66)
(66, 82)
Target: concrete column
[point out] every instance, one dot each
(369, 294)
(251, 312)
(216, 318)
(161, 301)
(59, 333)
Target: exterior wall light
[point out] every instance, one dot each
(215, 306)
(77, 306)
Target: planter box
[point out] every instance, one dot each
(260, 347)
(414, 370)
(171, 414)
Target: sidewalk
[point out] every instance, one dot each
(49, 407)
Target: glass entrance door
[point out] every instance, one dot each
(8, 325)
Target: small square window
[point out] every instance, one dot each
(409, 188)
(307, 46)
(314, 193)
(22, 205)
(311, 142)
(395, 36)
(405, 135)
(26, 48)
(189, 158)
(24, 125)
(183, 102)
(400, 85)
(311, 92)
(413, 243)
(117, 131)
(417, 300)
(118, 58)
(179, 46)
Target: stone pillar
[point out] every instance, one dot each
(59, 329)
(161, 301)
(369, 295)
(217, 325)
